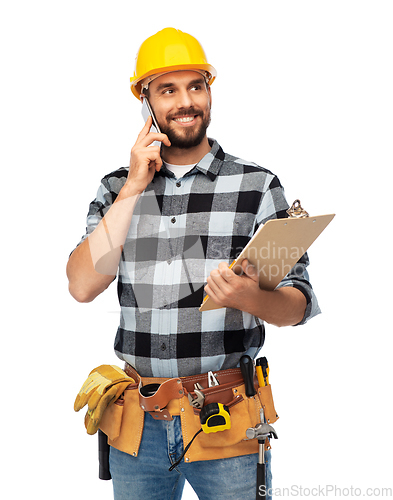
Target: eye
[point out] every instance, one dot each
(196, 87)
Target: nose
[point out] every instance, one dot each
(184, 99)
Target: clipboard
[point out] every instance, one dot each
(276, 247)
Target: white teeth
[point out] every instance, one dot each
(185, 119)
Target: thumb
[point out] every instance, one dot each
(250, 270)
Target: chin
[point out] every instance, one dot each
(190, 138)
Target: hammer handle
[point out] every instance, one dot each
(261, 481)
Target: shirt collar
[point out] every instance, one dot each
(209, 165)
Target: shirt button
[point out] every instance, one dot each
(178, 184)
(173, 220)
(163, 347)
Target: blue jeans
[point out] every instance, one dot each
(146, 477)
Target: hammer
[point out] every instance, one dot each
(261, 431)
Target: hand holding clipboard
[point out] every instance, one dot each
(277, 246)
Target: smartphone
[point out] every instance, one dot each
(146, 112)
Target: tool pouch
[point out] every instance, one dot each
(266, 399)
(123, 422)
(245, 412)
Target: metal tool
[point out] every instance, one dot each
(198, 400)
(247, 368)
(212, 379)
(261, 432)
(297, 210)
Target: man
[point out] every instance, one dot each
(169, 225)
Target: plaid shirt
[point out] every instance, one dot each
(180, 231)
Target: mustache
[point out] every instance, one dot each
(185, 111)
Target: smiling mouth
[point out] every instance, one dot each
(185, 119)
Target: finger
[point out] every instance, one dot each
(225, 271)
(153, 158)
(145, 130)
(249, 270)
(153, 136)
(216, 277)
(217, 283)
(213, 291)
(144, 160)
(218, 291)
(145, 137)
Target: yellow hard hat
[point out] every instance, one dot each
(169, 50)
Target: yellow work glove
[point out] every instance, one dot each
(104, 385)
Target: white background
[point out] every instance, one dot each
(304, 88)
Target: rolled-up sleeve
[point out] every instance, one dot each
(298, 278)
(274, 206)
(97, 209)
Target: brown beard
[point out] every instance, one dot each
(191, 136)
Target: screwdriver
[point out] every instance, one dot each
(247, 368)
(262, 369)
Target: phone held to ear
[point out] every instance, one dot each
(146, 112)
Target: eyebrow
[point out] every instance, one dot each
(167, 85)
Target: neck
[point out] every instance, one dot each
(177, 156)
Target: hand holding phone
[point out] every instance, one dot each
(145, 160)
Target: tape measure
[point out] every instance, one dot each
(215, 417)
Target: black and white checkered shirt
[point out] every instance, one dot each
(180, 231)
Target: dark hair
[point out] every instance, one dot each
(146, 92)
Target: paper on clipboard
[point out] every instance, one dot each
(276, 247)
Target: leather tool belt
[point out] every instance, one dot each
(163, 398)
(176, 388)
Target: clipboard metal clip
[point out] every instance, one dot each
(296, 210)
